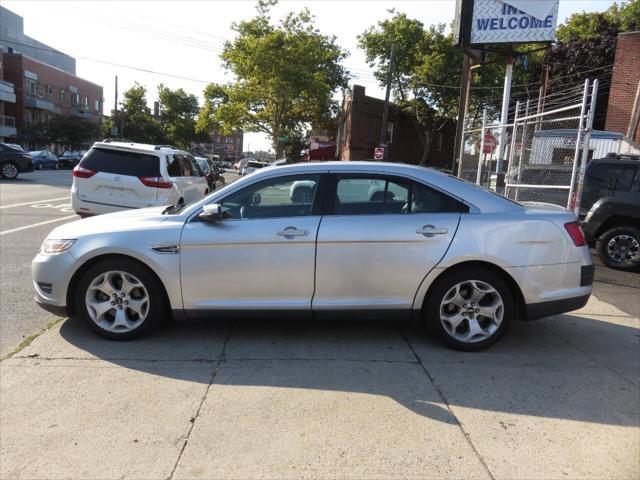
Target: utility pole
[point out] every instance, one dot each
(114, 119)
(385, 110)
(504, 118)
(465, 88)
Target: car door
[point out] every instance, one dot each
(199, 183)
(261, 256)
(380, 238)
(179, 171)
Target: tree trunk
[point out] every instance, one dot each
(426, 148)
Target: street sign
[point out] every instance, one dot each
(484, 22)
(378, 153)
(490, 143)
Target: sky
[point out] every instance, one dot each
(185, 38)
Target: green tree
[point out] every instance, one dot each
(72, 131)
(140, 126)
(586, 48)
(285, 78)
(178, 111)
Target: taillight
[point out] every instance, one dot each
(82, 172)
(575, 232)
(157, 182)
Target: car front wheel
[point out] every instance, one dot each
(619, 248)
(470, 309)
(9, 170)
(120, 299)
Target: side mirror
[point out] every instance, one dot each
(211, 213)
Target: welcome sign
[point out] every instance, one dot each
(513, 21)
(484, 22)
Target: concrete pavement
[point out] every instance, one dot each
(557, 398)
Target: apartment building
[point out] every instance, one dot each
(37, 82)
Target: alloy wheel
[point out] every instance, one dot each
(471, 311)
(117, 301)
(623, 249)
(9, 170)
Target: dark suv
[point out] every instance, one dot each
(13, 162)
(610, 210)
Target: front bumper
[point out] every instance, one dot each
(60, 311)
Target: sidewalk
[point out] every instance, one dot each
(557, 398)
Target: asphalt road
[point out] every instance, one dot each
(33, 205)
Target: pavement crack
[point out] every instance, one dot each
(194, 419)
(465, 434)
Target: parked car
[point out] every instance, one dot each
(70, 159)
(44, 159)
(225, 164)
(610, 209)
(441, 251)
(208, 170)
(252, 166)
(115, 176)
(240, 164)
(15, 146)
(13, 162)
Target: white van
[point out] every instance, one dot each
(115, 176)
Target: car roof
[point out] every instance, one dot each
(616, 158)
(138, 147)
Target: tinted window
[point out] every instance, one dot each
(290, 196)
(173, 166)
(376, 195)
(122, 162)
(204, 166)
(612, 177)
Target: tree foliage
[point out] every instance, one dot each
(69, 131)
(285, 77)
(178, 111)
(140, 126)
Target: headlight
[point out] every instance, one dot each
(52, 247)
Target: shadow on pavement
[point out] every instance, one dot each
(533, 371)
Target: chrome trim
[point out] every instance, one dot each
(166, 249)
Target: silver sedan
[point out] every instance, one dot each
(323, 240)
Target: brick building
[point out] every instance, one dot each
(359, 133)
(37, 82)
(227, 146)
(624, 85)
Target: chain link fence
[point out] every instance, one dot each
(545, 148)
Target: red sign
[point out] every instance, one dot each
(378, 153)
(490, 143)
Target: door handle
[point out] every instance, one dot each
(430, 231)
(291, 232)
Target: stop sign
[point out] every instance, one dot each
(490, 143)
(378, 153)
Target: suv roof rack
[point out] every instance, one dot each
(119, 140)
(160, 147)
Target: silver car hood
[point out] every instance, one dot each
(129, 220)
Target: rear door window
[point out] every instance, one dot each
(612, 177)
(122, 162)
(375, 195)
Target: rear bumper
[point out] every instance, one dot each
(555, 307)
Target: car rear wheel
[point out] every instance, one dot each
(470, 309)
(619, 248)
(9, 170)
(120, 299)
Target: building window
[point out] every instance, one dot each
(32, 88)
(96, 105)
(85, 103)
(49, 91)
(62, 95)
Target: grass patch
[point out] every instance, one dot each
(28, 340)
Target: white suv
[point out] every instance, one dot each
(114, 176)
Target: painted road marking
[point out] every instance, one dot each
(35, 201)
(64, 207)
(37, 224)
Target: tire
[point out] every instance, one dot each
(619, 248)
(143, 288)
(9, 170)
(451, 297)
